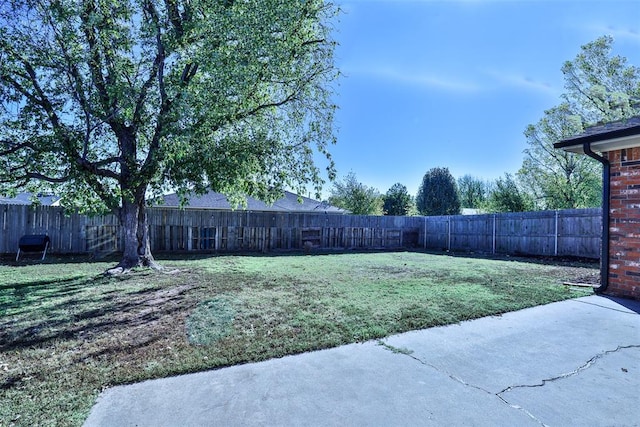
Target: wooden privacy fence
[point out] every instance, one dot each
(173, 229)
(561, 233)
(571, 232)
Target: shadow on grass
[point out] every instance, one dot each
(82, 318)
(44, 282)
(10, 260)
(19, 295)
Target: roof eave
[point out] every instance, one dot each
(603, 142)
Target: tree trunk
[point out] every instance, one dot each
(133, 215)
(137, 248)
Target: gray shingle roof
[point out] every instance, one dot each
(211, 200)
(603, 132)
(25, 199)
(289, 203)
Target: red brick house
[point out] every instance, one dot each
(619, 146)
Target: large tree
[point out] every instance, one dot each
(599, 87)
(109, 102)
(471, 191)
(397, 201)
(352, 195)
(558, 179)
(505, 195)
(438, 193)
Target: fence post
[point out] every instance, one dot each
(555, 245)
(425, 232)
(493, 243)
(449, 233)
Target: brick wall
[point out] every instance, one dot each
(624, 226)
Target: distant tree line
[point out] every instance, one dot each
(438, 194)
(599, 87)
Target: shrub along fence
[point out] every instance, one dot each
(548, 233)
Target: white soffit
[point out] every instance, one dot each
(608, 144)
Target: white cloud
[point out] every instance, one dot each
(414, 78)
(630, 34)
(524, 82)
(484, 80)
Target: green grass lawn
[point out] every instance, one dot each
(67, 332)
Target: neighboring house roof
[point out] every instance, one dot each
(211, 200)
(605, 137)
(471, 211)
(25, 199)
(289, 203)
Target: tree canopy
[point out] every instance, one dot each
(471, 191)
(354, 196)
(397, 201)
(558, 179)
(599, 87)
(438, 193)
(506, 195)
(109, 102)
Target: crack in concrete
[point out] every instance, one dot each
(520, 408)
(408, 352)
(581, 368)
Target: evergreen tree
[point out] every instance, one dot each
(397, 201)
(438, 194)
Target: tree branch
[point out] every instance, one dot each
(93, 168)
(175, 18)
(14, 147)
(150, 162)
(157, 69)
(95, 64)
(42, 177)
(41, 99)
(75, 80)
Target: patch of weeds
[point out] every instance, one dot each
(419, 316)
(368, 333)
(395, 350)
(210, 321)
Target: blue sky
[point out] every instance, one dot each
(455, 83)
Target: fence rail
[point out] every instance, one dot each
(559, 233)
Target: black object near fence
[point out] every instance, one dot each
(573, 232)
(33, 243)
